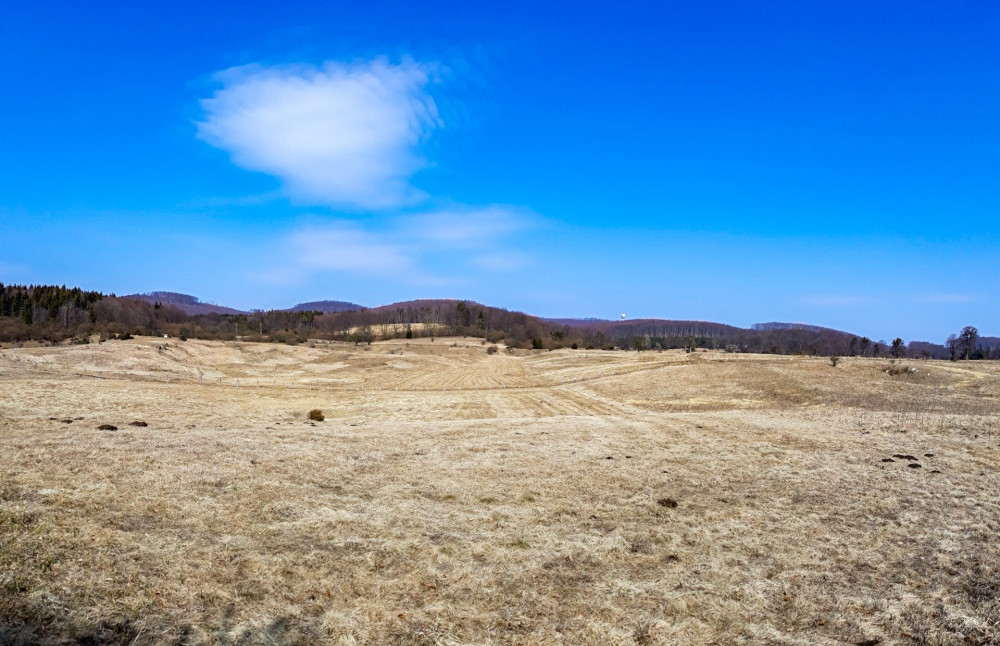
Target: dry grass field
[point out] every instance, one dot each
(456, 497)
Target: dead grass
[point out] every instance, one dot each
(462, 498)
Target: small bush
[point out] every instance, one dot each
(492, 349)
(897, 369)
(575, 346)
(834, 361)
(316, 415)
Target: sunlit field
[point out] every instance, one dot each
(155, 491)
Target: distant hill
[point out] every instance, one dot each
(989, 342)
(775, 325)
(327, 307)
(917, 349)
(658, 327)
(424, 303)
(186, 303)
(577, 322)
(54, 313)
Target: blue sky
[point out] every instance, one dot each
(824, 162)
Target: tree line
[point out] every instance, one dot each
(47, 313)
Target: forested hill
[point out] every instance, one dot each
(49, 313)
(184, 302)
(326, 307)
(35, 305)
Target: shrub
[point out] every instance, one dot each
(492, 349)
(316, 415)
(536, 343)
(834, 361)
(897, 369)
(574, 346)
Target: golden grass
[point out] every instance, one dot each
(515, 498)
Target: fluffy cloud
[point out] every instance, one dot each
(348, 136)
(343, 135)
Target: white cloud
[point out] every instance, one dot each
(467, 227)
(401, 246)
(503, 261)
(342, 247)
(342, 135)
(348, 136)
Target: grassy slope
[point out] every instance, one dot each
(466, 498)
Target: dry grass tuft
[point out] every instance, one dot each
(316, 415)
(896, 369)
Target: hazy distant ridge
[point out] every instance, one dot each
(184, 302)
(782, 337)
(327, 307)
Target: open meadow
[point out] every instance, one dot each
(453, 496)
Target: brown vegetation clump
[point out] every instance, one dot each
(316, 415)
(107, 427)
(897, 369)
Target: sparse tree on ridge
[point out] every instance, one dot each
(952, 344)
(897, 348)
(968, 339)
